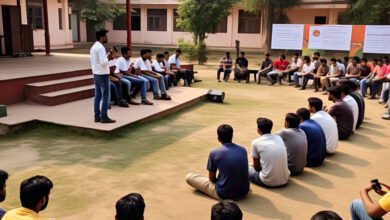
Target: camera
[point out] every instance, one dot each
(376, 185)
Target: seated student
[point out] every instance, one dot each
(366, 80)
(34, 196)
(125, 68)
(358, 98)
(314, 65)
(380, 72)
(385, 60)
(159, 67)
(354, 70)
(295, 65)
(296, 144)
(345, 91)
(225, 66)
(333, 75)
(322, 71)
(279, 67)
(130, 207)
(156, 80)
(326, 122)
(226, 210)
(341, 112)
(366, 209)
(3, 192)
(265, 67)
(117, 96)
(385, 88)
(270, 166)
(386, 115)
(365, 70)
(306, 69)
(326, 215)
(316, 142)
(346, 62)
(341, 66)
(241, 70)
(175, 65)
(231, 162)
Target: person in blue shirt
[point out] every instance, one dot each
(315, 138)
(231, 162)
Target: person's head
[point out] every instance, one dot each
(306, 59)
(334, 93)
(264, 126)
(339, 61)
(304, 114)
(101, 36)
(323, 62)
(333, 61)
(227, 54)
(267, 56)
(326, 215)
(292, 120)
(126, 53)
(317, 55)
(144, 54)
(242, 54)
(160, 57)
(166, 55)
(225, 134)
(379, 62)
(345, 90)
(3, 185)
(282, 57)
(34, 193)
(315, 104)
(355, 60)
(178, 52)
(295, 56)
(350, 84)
(346, 59)
(226, 210)
(314, 58)
(385, 60)
(375, 61)
(149, 54)
(363, 61)
(130, 207)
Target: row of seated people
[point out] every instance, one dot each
(146, 74)
(35, 192)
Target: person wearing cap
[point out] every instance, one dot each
(101, 72)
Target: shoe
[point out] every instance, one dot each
(297, 86)
(157, 97)
(123, 103)
(239, 81)
(97, 119)
(107, 121)
(386, 116)
(131, 102)
(166, 97)
(303, 88)
(381, 102)
(146, 102)
(197, 80)
(219, 81)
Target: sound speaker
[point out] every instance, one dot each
(216, 96)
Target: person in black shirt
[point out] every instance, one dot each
(265, 67)
(241, 71)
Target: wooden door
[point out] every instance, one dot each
(12, 30)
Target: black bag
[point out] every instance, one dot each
(215, 96)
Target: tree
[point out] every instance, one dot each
(271, 11)
(98, 11)
(200, 17)
(366, 12)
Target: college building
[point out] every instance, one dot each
(153, 22)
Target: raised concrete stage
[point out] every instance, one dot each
(79, 114)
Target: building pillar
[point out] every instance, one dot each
(65, 14)
(47, 34)
(128, 16)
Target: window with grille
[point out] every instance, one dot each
(157, 19)
(248, 22)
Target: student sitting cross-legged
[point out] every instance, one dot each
(231, 162)
(315, 138)
(296, 143)
(270, 166)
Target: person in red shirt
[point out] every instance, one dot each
(279, 67)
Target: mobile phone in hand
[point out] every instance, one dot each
(376, 185)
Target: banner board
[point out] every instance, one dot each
(377, 39)
(287, 36)
(330, 37)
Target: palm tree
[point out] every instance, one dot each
(366, 12)
(272, 11)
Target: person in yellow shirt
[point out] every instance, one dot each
(34, 196)
(366, 209)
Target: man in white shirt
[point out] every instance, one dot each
(270, 166)
(175, 65)
(295, 65)
(156, 80)
(125, 69)
(305, 70)
(351, 103)
(158, 66)
(101, 72)
(327, 123)
(335, 72)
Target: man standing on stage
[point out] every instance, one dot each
(101, 71)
